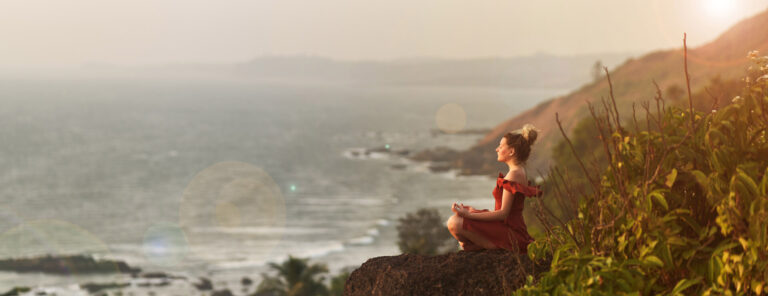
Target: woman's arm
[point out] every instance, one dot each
(500, 215)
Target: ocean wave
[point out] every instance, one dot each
(262, 230)
(363, 240)
(364, 153)
(350, 200)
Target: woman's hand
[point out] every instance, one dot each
(459, 209)
(469, 208)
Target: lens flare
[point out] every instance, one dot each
(451, 118)
(226, 198)
(165, 244)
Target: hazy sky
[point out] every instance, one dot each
(130, 32)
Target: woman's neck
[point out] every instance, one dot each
(513, 166)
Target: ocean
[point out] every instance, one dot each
(216, 179)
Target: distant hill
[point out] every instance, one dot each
(535, 71)
(725, 57)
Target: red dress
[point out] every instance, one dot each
(510, 234)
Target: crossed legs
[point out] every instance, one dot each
(470, 241)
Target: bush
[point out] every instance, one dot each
(295, 277)
(681, 207)
(423, 232)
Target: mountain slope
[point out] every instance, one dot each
(724, 57)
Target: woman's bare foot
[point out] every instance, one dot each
(469, 247)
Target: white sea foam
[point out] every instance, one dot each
(262, 230)
(363, 240)
(356, 200)
(319, 251)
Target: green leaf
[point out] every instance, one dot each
(749, 185)
(658, 197)
(701, 178)
(671, 178)
(651, 259)
(684, 284)
(764, 183)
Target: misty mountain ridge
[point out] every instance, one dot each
(540, 70)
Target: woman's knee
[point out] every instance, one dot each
(454, 223)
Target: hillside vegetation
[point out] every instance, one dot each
(721, 60)
(671, 200)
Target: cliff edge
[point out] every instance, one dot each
(489, 272)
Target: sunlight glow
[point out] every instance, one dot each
(719, 8)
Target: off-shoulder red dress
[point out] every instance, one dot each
(510, 234)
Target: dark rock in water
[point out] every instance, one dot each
(398, 166)
(481, 160)
(160, 275)
(246, 281)
(478, 160)
(436, 154)
(204, 284)
(76, 264)
(224, 292)
(403, 152)
(16, 291)
(382, 149)
(489, 272)
(93, 287)
(154, 275)
(439, 167)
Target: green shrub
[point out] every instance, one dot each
(680, 208)
(295, 277)
(423, 232)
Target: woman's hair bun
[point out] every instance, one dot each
(530, 133)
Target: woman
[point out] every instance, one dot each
(504, 226)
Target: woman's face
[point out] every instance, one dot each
(503, 151)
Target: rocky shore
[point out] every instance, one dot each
(66, 265)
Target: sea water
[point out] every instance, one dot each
(217, 179)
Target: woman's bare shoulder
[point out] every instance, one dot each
(518, 175)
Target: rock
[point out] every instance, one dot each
(398, 166)
(380, 149)
(95, 287)
(488, 272)
(16, 291)
(443, 154)
(403, 152)
(224, 292)
(246, 281)
(204, 284)
(160, 275)
(439, 167)
(76, 264)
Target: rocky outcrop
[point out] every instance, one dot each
(489, 272)
(75, 264)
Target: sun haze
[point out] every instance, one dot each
(45, 33)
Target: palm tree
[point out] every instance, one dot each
(295, 277)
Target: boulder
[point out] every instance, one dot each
(487, 272)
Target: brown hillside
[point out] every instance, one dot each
(724, 57)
